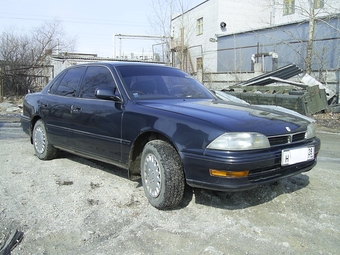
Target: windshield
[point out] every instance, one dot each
(157, 82)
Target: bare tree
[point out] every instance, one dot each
(160, 22)
(49, 37)
(13, 52)
(163, 12)
(310, 42)
(24, 55)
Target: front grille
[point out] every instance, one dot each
(278, 140)
(298, 137)
(284, 139)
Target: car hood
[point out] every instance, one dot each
(234, 117)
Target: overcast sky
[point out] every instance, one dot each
(93, 22)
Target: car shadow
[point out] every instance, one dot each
(249, 198)
(120, 172)
(218, 199)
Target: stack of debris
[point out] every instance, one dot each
(306, 97)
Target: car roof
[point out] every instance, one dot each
(123, 63)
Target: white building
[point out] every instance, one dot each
(195, 32)
(287, 11)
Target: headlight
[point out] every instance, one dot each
(239, 142)
(311, 132)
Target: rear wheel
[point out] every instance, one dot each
(43, 148)
(162, 175)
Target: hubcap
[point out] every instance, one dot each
(152, 175)
(39, 140)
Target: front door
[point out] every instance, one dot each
(97, 123)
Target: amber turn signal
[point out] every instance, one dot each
(228, 174)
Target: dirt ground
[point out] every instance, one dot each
(327, 121)
(71, 205)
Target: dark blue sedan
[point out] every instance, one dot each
(161, 124)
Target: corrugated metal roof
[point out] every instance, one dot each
(285, 73)
(269, 80)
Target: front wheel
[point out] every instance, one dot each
(162, 175)
(42, 147)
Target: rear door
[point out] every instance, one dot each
(97, 122)
(56, 107)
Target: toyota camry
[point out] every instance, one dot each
(162, 125)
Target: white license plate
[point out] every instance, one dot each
(293, 156)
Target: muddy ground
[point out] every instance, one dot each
(71, 205)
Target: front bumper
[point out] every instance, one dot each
(264, 167)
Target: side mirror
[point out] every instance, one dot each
(107, 94)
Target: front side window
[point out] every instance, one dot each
(70, 82)
(288, 7)
(200, 26)
(96, 77)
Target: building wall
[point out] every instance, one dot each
(237, 15)
(301, 10)
(184, 33)
(288, 41)
(243, 15)
(246, 16)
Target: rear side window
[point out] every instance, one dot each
(55, 83)
(96, 77)
(70, 82)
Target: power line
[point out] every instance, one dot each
(71, 20)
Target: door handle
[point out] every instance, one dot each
(42, 104)
(75, 109)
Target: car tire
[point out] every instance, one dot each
(162, 175)
(42, 147)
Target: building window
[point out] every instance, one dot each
(288, 7)
(199, 63)
(200, 26)
(319, 4)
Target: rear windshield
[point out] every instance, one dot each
(145, 82)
